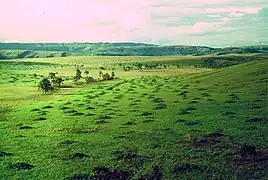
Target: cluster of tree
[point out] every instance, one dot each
(89, 79)
(139, 66)
(50, 83)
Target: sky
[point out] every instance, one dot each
(216, 23)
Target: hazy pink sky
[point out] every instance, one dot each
(152, 21)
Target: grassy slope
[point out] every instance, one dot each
(223, 99)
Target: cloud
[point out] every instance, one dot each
(157, 21)
(233, 9)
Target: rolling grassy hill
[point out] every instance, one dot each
(117, 49)
(178, 122)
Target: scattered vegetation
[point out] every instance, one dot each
(164, 122)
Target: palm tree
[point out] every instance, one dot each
(35, 76)
(100, 74)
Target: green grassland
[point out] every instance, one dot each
(186, 118)
(6, 54)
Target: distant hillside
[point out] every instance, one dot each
(9, 50)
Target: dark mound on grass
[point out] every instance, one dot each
(148, 121)
(89, 114)
(180, 120)
(35, 109)
(71, 111)
(247, 150)
(230, 101)
(66, 142)
(129, 123)
(47, 107)
(2, 154)
(146, 114)
(80, 177)
(78, 114)
(105, 117)
(185, 168)
(90, 108)
(21, 166)
(156, 174)
(183, 93)
(183, 112)
(101, 122)
(158, 100)
(25, 127)
(258, 119)
(214, 135)
(64, 108)
(228, 113)
(193, 102)
(67, 103)
(205, 94)
(208, 140)
(160, 106)
(103, 173)
(250, 161)
(234, 96)
(192, 123)
(40, 119)
(130, 157)
(78, 155)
